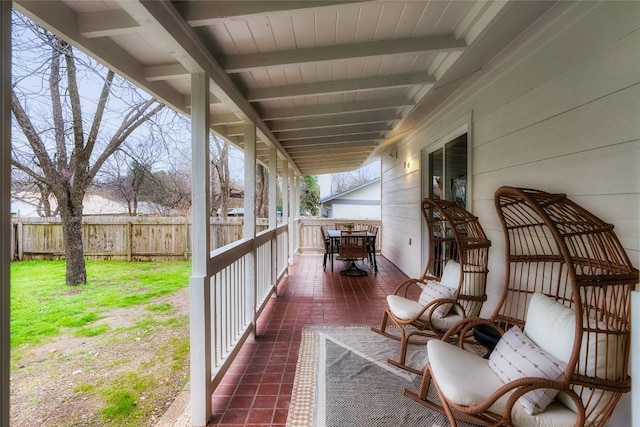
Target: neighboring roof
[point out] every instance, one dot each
(351, 190)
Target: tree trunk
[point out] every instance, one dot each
(73, 248)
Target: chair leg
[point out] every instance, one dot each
(383, 327)
(324, 262)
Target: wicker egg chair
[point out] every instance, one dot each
(452, 285)
(568, 283)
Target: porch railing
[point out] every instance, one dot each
(243, 276)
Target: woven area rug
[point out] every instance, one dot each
(343, 379)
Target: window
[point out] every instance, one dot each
(448, 175)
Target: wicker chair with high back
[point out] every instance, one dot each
(452, 286)
(564, 320)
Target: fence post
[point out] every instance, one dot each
(185, 237)
(129, 231)
(20, 238)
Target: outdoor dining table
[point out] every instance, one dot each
(334, 235)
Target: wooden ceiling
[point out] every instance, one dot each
(331, 84)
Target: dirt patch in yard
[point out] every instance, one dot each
(137, 366)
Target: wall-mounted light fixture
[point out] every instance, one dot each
(407, 164)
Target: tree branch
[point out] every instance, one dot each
(56, 106)
(35, 142)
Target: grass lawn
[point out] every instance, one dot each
(128, 373)
(42, 303)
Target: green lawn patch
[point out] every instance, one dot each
(42, 304)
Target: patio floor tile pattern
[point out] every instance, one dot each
(256, 391)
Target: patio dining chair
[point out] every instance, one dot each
(564, 321)
(331, 247)
(452, 286)
(371, 245)
(353, 247)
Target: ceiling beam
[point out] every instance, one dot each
(363, 139)
(166, 72)
(224, 119)
(253, 61)
(328, 109)
(379, 128)
(294, 150)
(200, 13)
(114, 22)
(342, 151)
(339, 86)
(352, 163)
(335, 120)
(106, 23)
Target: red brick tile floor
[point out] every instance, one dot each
(256, 391)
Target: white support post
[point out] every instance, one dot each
(199, 285)
(295, 214)
(273, 187)
(273, 213)
(249, 231)
(286, 212)
(5, 205)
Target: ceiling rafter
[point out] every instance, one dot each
(114, 22)
(339, 86)
(253, 61)
(320, 151)
(335, 120)
(379, 128)
(328, 109)
(363, 139)
(201, 13)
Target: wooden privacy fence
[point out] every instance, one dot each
(147, 239)
(119, 238)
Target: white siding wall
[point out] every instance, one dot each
(558, 111)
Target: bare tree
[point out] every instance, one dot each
(128, 170)
(220, 177)
(346, 180)
(65, 152)
(262, 191)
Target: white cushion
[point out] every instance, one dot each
(462, 376)
(451, 274)
(551, 326)
(474, 277)
(404, 308)
(473, 384)
(516, 356)
(432, 291)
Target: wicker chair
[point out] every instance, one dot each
(568, 283)
(452, 286)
